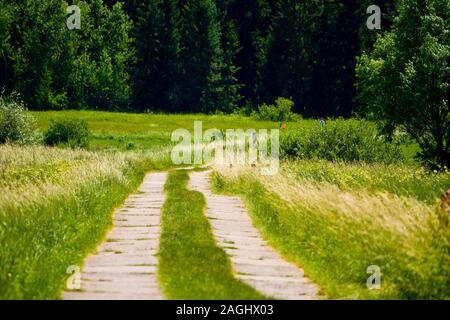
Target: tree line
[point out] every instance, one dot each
(186, 55)
(234, 55)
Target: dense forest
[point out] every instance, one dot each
(187, 55)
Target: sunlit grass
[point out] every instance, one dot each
(409, 180)
(335, 229)
(333, 219)
(145, 131)
(55, 207)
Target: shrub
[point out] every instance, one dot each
(246, 110)
(15, 124)
(281, 111)
(346, 140)
(72, 132)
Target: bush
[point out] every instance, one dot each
(346, 140)
(246, 110)
(281, 111)
(72, 132)
(15, 124)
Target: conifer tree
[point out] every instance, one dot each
(99, 77)
(231, 87)
(157, 69)
(201, 57)
(288, 65)
(253, 20)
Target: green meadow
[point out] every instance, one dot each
(332, 218)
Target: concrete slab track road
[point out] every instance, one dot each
(125, 265)
(254, 261)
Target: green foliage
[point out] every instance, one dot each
(57, 207)
(16, 125)
(57, 68)
(103, 55)
(340, 140)
(201, 56)
(253, 20)
(280, 111)
(310, 54)
(158, 65)
(403, 82)
(39, 44)
(185, 58)
(6, 18)
(72, 132)
(290, 31)
(230, 97)
(189, 56)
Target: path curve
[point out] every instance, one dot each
(254, 261)
(125, 265)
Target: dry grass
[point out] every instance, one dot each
(55, 206)
(30, 174)
(334, 230)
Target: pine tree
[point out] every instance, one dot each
(311, 55)
(157, 68)
(6, 19)
(99, 76)
(201, 57)
(331, 90)
(290, 51)
(253, 20)
(231, 87)
(120, 50)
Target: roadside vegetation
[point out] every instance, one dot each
(340, 140)
(56, 202)
(347, 201)
(55, 208)
(191, 265)
(336, 219)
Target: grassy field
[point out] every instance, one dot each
(55, 208)
(137, 132)
(125, 131)
(333, 219)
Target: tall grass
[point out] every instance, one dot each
(401, 179)
(55, 207)
(336, 232)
